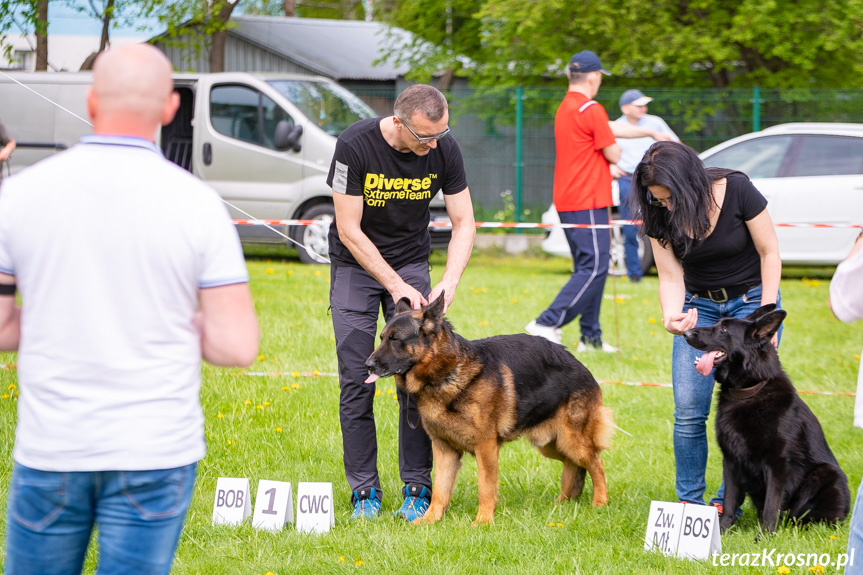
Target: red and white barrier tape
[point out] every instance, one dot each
(522, 225)
(316, 373)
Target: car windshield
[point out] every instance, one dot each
(330, 106)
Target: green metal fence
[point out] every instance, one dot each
(507, 135)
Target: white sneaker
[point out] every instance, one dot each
(603, 346)
(550, 333)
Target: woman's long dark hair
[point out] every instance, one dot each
(677, 167)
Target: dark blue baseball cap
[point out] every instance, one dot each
(586, 61)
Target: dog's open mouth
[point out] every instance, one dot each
(704, 364)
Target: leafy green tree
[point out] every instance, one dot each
(688, 43)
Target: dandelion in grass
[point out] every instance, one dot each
(11, 386)
(278, 430)
(318, 274)
(260, 407)
(285, 388)
(295, 386)
(261, 357)
(221, 415)
(833, 537)
(342, 559)
(358, 561)
(514, 300)
(783, 570)
(248, 402)
(266, 403)
(618, 299)
(316, 372)
(271, 271)
(645, 302)
(651, 320)
(652, 332)
(378, 392)
(290, 272)
(483, 324)
(817, 569)
(5, 396)
(295, 374)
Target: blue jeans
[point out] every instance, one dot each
(139, 515)
(630, 233)
(855, 536)
(582, 294)
(693, 393)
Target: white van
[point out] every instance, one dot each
(263, 141)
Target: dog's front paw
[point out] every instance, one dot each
(483, 518)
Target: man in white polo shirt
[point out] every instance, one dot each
(633, 105)
(130, 271)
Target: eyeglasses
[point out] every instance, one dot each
(425, 139)
(659, 203)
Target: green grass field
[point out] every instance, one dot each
(286, 427)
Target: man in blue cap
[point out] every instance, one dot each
(585, 147)
(633, 105)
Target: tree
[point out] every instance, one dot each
(688, 43)
(29, 15)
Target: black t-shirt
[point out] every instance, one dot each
(396, 188)
(727, 257)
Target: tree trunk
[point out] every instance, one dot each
(42, 36)
(290, 8)
(106, 25)
(221, 13)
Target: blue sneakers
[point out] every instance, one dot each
(366, 504)
(417, 499)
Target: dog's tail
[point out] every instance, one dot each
(595, 420)
(602, 424)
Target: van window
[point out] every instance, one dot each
(245, 114)
(330, 106)
(829, 156)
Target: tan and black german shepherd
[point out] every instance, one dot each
(475, 395)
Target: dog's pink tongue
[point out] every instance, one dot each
(372, 378)
(705, 363)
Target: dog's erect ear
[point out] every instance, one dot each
(434, 310)
(760, 312)
(766, 325)
(403, 305)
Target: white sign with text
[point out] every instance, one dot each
(232, 503)
(273, 505)
(682, 530)
(315, 507)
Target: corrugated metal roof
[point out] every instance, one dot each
(338, 49)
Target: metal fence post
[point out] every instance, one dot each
(756, 108)
(519, 121)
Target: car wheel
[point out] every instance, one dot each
(314, 236)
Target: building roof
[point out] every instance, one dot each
(338, 49)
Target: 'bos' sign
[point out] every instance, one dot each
(683, 530)
(315, 507)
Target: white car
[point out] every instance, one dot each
(555, 242)
(810, 173)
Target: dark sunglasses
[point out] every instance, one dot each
(425, 139)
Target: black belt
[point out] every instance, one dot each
(722, 295)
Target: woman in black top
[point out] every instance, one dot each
(717, 256)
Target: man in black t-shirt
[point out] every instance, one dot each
(384, 173)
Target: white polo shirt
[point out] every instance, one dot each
(109, 244)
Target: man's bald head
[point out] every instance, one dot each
(132, 85)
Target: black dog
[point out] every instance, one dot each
(772, 445)
(475, 395)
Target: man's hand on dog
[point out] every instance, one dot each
(678, 323)
(448, 294)
(405, 290)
